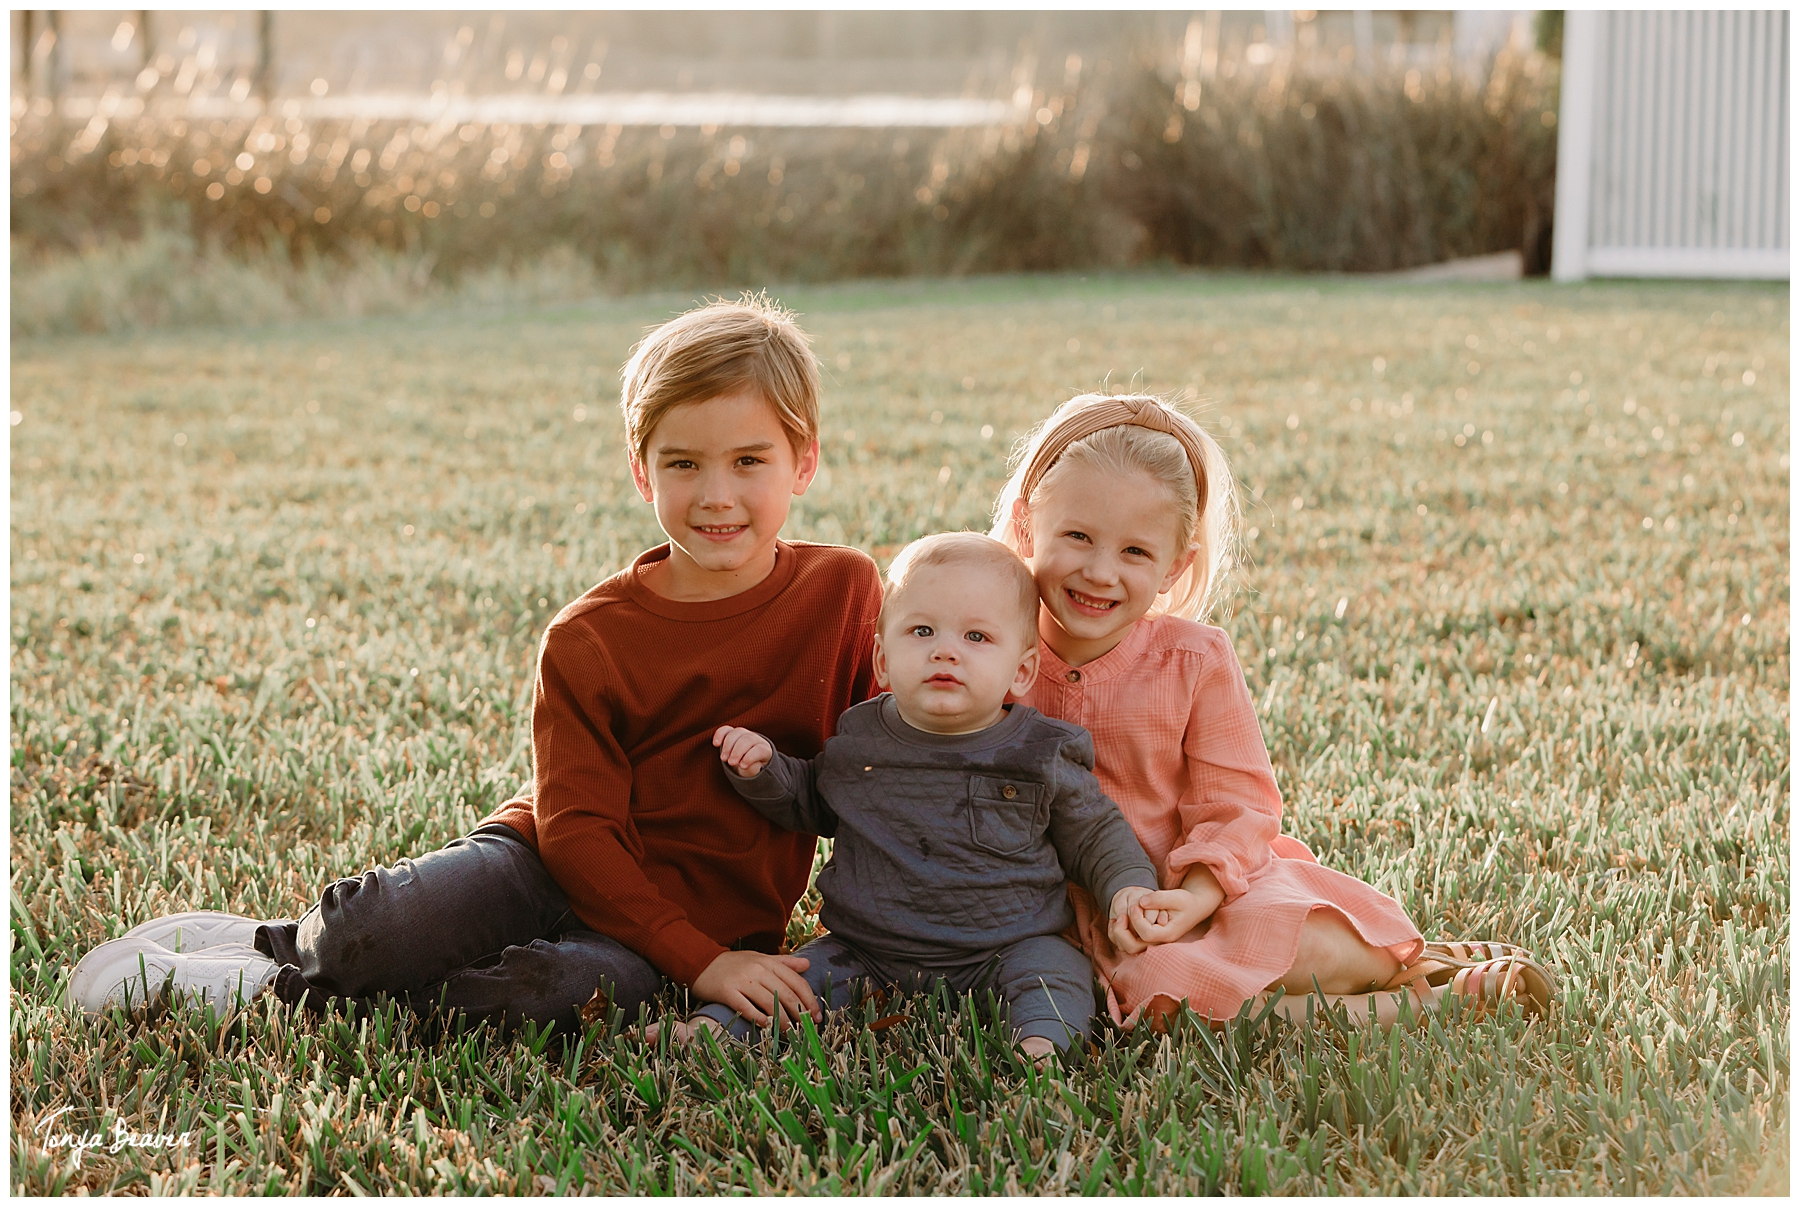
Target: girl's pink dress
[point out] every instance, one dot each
(1177, 745)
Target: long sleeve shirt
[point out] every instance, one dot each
(627, 807)
(947, 846)
(1178, 746)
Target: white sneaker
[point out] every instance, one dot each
(132, 971)
(196, 931)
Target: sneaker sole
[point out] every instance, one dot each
(131, 972)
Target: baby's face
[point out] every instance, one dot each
(952, 646)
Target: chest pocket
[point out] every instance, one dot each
(1007, 816)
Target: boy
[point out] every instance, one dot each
(628, 863)
(955, 813)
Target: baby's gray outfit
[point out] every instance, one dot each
(949, 859)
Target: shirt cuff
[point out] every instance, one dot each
(1226, 870)
(1133, 877)
(682, 952)
(765, 785)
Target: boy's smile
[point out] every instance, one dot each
(721, 475)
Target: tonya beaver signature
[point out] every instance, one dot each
(80, 1143)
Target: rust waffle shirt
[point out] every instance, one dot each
(627, 807)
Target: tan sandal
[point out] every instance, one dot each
(1482, 983)
(1514, 978)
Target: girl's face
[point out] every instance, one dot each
(1102, 548)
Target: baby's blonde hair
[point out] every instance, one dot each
(964, 549)
(1121, 433)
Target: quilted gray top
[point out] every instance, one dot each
(948, 846)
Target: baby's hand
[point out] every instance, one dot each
(1119, 915)
(744, 751)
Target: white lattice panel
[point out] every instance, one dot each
(1673, 153)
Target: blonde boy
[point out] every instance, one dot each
(628, 863)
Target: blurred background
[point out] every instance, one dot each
(349, 163)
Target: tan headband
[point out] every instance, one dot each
(1115, 412)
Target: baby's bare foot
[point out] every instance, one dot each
(683, 1031)
(688, 1031)
(1040, 1049)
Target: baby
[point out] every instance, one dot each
(957, 816)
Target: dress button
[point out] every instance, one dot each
(1074, 676)
(1009, 792)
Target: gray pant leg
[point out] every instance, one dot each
(479, 925)
(544, 981)
(835, 971)
(1048, 988)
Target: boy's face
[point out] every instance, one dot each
(721, 475)
(952, 646)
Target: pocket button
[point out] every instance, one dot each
(1009, 792)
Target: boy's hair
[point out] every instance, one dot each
(963, 549)
(719, 349)
(1117, 434)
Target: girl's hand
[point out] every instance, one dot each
(744, 751)
(1165, 916)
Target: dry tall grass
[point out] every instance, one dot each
(1114, 165)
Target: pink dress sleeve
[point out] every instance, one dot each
(1231, 809)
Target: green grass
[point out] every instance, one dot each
(276, 598)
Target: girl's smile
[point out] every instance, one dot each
(1089, 604)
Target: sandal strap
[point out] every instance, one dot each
(1513, 978)
(1408, 977)
(1436, 958)
(1490, 983)
(1469, 952)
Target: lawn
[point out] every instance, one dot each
(1513, 607)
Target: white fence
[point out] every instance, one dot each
(1672, 153)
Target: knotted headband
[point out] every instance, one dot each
(1123, 411)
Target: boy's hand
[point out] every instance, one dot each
(744, 751)
(749, 982)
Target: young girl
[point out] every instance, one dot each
(1124, 509)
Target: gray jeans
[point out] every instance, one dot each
(1045, 982)
(478, 927)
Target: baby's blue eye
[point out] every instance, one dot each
(975, 635)
(921, 630)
